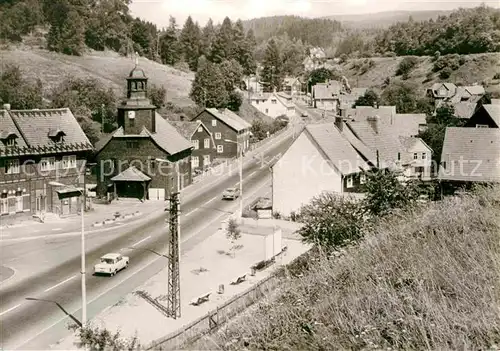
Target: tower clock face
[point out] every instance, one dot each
(131, 114)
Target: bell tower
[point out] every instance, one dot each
(136, 111)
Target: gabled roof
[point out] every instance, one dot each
(326, 91)
(35, 126)
(260, 96)
(464, 110)
(166, 137)
(407, 124)
(495, 101)
(283, 101)
(336, 148)
(7, 127)
(471, 154)
(291, 80)
(230, 118)
(186, 128)
(131, 174)
(450, 87)
(475, 89)
(494, 112)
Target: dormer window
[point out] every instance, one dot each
(9, 138)
(57, 135)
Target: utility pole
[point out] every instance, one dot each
(174, 287)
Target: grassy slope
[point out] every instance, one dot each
(478, 68)
(425, 280)
(108, 67)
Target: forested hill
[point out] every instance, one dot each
(316, 31)
(465, 31)
(385, 19)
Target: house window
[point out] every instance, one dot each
(257, 102)
(12, 167)
(206, 143)
(424, 155)
(481, 126)
(4, 205)
(132, 122)
(200, 129)
(132, 144)
(47, 164)
(68, 161)
(196, 144)
(444, 164)
(362, 178)
(10, 142)
(214, 123)
(349, 182)
(195, 162)
(399, 156)
(218, 136)
(273, 101)
(415, 156)
(220, 149)
(206, 160)
(267, 110)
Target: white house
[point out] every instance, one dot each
(273, 105)
(292, 85)
(320, 159)
(326, 96)
(417, 159)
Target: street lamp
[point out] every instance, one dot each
(241, 172)
(84, 290)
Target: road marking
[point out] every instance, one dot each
(212, 199)
(140, 241)
(54, 229)
(61, 283)
(187, 214)
(10, 309)
(125, 278)
(251, 174)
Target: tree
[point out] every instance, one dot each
(235, 100)
(75, 93)
(232, 72)
(233, 233)
(406, 65)
(331, 221)
(207, 37)
(370, 98)
(384, 192)
(190, 43)
(209, 87)
(401, 94)
(272, 72)
(222, 45)
(157, 95)
(169, 44)
(321, 75)
(17, 91)
(247, 56)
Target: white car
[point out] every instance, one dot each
(111, 264)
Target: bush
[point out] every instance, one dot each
(95, 338)
(406, 65)
(496, 76)
(448, 61)
(445, 73)
(436, 56)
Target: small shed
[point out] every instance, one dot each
(264, 208)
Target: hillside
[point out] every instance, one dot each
(385, 19)
(426, 280)
(479, 68)
(108, 67)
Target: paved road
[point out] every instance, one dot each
(34, 324)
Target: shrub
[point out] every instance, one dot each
(462, 60)
(406, 65)
(496, 76)
(447, 61)
(95, 338)
(436, 56)
(445, 73)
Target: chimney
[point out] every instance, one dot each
(6, 107)
(339, 123)
(373, 121)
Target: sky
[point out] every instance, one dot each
(158, 11)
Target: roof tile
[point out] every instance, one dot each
(230, 118)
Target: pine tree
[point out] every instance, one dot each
(272, 72)
(207, 38)
(169, 44)
(190, 43)
(247, 59)
(222, 46)
(208, 89)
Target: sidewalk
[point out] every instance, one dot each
(204, 268)
(99, 218)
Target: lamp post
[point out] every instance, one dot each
(84, 289)
(241, 172)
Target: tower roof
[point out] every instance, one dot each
(137, 72)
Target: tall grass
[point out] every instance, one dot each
(423, 280)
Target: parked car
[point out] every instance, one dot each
(111, 264)
(230, 194)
